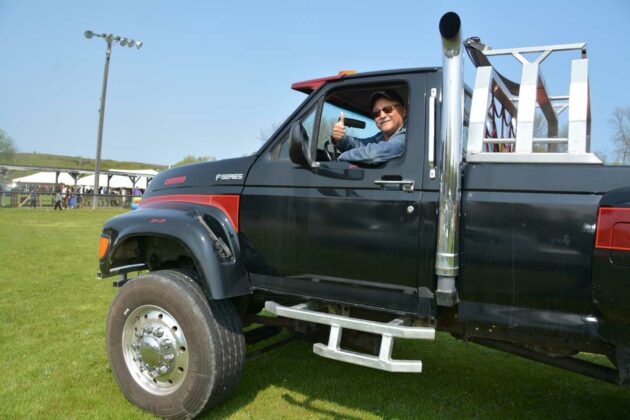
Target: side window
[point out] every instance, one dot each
(356, 104)
(308, 122)
(281, 151)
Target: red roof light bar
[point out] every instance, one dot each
(309, 86)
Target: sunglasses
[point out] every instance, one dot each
(386, 109)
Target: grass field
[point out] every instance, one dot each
(53, 361)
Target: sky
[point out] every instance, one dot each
(212, 76)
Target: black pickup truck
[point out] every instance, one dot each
(499, 237)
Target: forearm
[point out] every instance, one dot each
(375, 152)
(348, 143)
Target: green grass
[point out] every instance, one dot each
(53, 361)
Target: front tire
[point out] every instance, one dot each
(173, 352)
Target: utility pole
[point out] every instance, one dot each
(110, 39)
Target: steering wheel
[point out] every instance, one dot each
(331, 151)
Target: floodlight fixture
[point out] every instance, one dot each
(112, 39)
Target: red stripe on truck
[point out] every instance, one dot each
(228, 204)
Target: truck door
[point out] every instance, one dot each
(337, 231)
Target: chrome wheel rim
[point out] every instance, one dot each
(155, 350)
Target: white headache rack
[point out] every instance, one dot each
(384, 361)
(511, 139)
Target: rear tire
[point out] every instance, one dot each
(173, 352)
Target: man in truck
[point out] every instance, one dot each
(390, 116)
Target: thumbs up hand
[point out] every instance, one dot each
(338, 129)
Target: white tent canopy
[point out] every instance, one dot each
(45, 178)
(148, 172)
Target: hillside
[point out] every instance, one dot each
(77, 162)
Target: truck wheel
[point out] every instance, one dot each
(173, 352)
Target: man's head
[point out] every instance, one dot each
(389, 111)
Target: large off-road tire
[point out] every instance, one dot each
(173, 352)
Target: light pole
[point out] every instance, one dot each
(110, 39)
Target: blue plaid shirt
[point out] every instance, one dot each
(373, 149)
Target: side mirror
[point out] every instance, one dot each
(298, 149)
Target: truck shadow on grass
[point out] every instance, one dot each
(459, 381)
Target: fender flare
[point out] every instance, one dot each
(204, 231)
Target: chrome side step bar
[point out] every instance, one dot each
(388, 331)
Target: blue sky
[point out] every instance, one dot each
(211, 75)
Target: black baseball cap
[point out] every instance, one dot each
(389, 94)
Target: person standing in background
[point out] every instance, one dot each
(58, 200)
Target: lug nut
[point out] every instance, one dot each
(167, 344)
(159, 332)
(163, 370)
(148, 329)
(139, 333)
(169, 357)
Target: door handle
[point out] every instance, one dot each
(405, 184)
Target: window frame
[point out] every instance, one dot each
(411, 165)
(369, 85)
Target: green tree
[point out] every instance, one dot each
(620, 123)
(7, 148)
(193, 159)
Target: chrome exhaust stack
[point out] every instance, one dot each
(447, 252)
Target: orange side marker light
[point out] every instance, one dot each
(102, 248)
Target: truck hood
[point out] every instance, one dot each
(228, 172)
